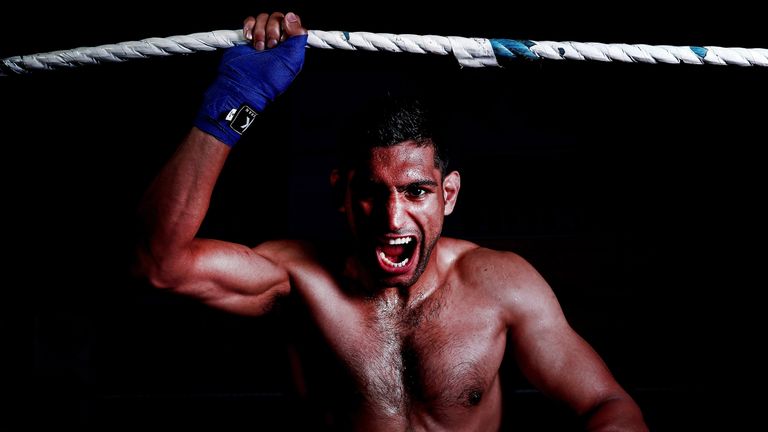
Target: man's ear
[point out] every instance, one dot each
(337, 189)
(451, 186)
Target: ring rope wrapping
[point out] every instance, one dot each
(470, 52)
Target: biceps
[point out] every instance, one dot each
(561, 364)
(230, 276)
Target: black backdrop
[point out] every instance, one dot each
(634, 189)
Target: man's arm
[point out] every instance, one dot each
(225, 275)
(558, 361)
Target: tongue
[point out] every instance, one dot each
(393, 251)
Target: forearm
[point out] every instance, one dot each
(248, 80)
(176, 203)
(617, 414)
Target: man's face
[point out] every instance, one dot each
(395, 206)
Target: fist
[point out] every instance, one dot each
(266, 31)
(250, 77)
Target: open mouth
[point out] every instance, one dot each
(395, 254)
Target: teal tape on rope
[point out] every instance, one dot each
(513, 48)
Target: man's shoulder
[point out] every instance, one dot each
(302, 253)
(504, 277)
(284, 251)
(485, 266)
(466, 253)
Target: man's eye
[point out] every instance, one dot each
(416, 192)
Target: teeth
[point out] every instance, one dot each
(400, 240)
(393, 264)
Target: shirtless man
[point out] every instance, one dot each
(419, 321)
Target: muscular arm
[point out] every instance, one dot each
(225, 275)
(558, 361)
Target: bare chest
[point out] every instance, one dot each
(442, 357)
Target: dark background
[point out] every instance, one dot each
(636, 190)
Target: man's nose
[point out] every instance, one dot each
(395, 212)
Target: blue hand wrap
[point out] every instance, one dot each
(248, 80)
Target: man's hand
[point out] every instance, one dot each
(250, 77)
(266, 31)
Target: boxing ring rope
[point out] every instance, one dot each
(470, 52)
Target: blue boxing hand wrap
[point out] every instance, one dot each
(248, 80)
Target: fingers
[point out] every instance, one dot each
(266, 31)
(273, 29)
(292, 25)
(259, 31)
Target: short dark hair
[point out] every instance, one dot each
(386, 122)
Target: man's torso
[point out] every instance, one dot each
(425, 363)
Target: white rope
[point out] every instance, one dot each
(472, 52)
(641, 53)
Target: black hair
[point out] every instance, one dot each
(386, 122)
